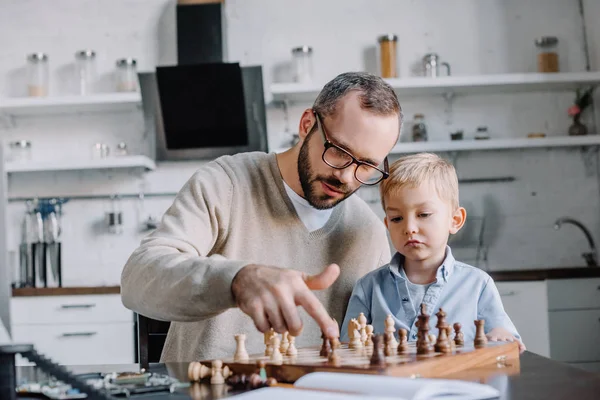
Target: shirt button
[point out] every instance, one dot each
(414, 336)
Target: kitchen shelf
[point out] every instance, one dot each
(117, 162)
(104, 102)
(480, 84)
(492, 144)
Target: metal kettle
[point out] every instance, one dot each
(431, 65)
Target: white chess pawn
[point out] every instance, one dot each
(369, 331)
(217, 373)
(284, 343)
(240, 351)
(276, 356)
(291, 350)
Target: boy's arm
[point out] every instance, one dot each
(491, 310)
(357, 304)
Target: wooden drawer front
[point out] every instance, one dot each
(68, 310)
(572, 294)
(531, 321)
(81, 343)
(574, 335)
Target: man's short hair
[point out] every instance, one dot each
(413, 170)
(375, 95)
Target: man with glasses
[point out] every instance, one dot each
(272, 240)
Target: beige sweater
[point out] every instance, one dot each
(233, 212)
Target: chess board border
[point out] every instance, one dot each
(437, 365)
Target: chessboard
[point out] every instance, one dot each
(409, 364)
(430, 356)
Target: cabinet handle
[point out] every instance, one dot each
(73, 334)
(511, 293)
(70, 306)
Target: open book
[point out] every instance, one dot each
(334, 386)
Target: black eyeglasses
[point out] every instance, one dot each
(338, 158)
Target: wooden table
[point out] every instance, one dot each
(538, 378)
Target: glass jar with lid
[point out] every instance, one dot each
(85, 62)
(37, 74)
(126, 75)
(388, 55)
(303, 64)
(419, 129)
(547, 54)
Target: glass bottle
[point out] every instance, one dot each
(419, 129)
(303, 67)
(547, 55)
(37, 75)
(387, 55)
(85, 62)
(126, 75)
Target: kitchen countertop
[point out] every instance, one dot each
(543, 274)
(66, 291)
(535, 378)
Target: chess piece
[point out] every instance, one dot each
(480, 338)
(362, 320)
(284, 343)
(390, 328)
(197, 371)
(325, 347)
(291, 350)
(442, 345)
(450, 341)
(217, 373)
(403, 345)
(276, 357)
(378, 358)
(369, 341)
(240, 351)
(387, 348)
(226, 372)
(423, 346)
(261, 369)
(333, 358)
(459, 337)
(268, 335)
(352, 326)
(355, 342)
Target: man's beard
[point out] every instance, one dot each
(307, 182)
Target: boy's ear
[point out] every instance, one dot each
(458, 220)
(385, 221)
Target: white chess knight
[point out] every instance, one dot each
(241, 354)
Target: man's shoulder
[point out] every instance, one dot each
(236, 166)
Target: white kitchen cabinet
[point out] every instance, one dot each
(574, 317)
(526, 303)
(78, 329)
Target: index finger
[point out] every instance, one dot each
(307, 300)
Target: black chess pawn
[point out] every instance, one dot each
(378, 358)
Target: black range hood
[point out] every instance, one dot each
(203, 107)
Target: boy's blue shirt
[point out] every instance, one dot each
(465, 293)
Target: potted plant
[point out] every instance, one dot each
(583, 99)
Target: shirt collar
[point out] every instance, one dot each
(443, 272)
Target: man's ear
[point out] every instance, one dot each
(307, 121)
(458, 220)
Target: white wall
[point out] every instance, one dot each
(475, 36)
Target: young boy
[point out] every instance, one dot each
(420, 200)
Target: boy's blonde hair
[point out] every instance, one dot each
(415, 169)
